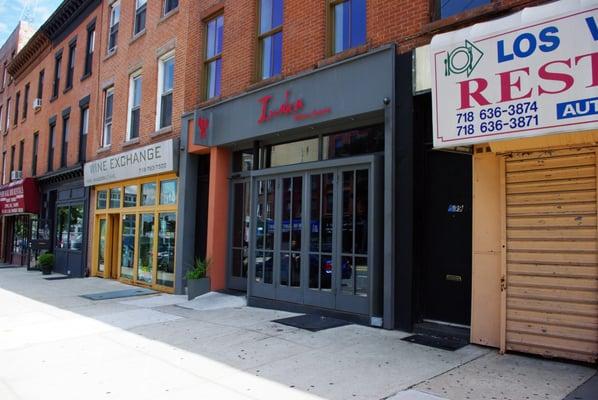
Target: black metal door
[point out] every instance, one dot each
(447, 238)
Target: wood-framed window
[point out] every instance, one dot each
(170, 5)
(89, 49)
(113, 28)
(108, 110)
(140, 16)
(347, 24)
(70, 71)
(270, 38)
(134, 108)
(443, 9)
(213, 56)
(57, 73)
(165, 87)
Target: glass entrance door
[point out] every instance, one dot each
(102, 228)
(239, 254)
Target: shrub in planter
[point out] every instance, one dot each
(198, 282)
(46, 262)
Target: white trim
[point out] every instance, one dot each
(107, 92)
(160, 84)
(132, 77)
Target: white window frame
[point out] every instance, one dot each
(113, 21)
(161, 61)
(7, 111)
(135, 75)
(108, 92)
(138, 5)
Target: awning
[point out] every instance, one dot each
(529, 74)
(19, 197)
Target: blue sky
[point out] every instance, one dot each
(33, 11)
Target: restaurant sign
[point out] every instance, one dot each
(19, 197)
(156, 158)
(529, 74)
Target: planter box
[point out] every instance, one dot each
(197, 287)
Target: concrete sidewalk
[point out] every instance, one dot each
(57, 345)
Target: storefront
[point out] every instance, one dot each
(523, 91)
(135, 215)
(19, 205)
(301, 182)
(61, 227)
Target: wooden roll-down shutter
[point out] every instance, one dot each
(551, 239)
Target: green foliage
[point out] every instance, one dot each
(46, 260)
(199, 269)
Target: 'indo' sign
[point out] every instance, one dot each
(532, 73)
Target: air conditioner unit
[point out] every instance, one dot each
(16, 175)
(37, 103)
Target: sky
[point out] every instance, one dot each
(33, 11)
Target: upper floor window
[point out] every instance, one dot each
(83, 133)
(4, 74)
(0, 117)
(64, 151)
(114, 20)
(170, 5)
(165, 86)
(21, 154)
(108, 108)
(26, 101)
(348, 24)
(140, 12)
(270, 38)
(57, 68)
(71, 66)
(213, 61)
(89, 48)
(40, 85)
(34, 154)
(445, 9)
(51, 145)
(134, 114)
(17, 101)
(7, 124)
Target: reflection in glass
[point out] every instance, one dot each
(127, 246)
(265, 230)
(291, 153)
(101, 245)
(115, 198)
(348, 192)
(62, 227)
(168, 192)
(146, 246)
(347, 275)
(361, 211)
(76, 228)
(167, 227)
(290, 263)
(320, 256)
(148, 194)
(130, 199)
(101, 200)
(240, 231)
(353, 143)
(361, 276)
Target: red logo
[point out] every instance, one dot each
(203, 124)
(288, 107)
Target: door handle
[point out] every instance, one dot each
(454, 278)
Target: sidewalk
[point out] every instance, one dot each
(57, 345)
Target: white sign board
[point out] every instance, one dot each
(529, 74)
(153, 159)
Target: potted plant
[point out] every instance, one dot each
(198, 282)
(46, 262)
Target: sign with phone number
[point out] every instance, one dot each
(529, 74)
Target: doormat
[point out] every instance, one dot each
(312, 322)
(56, 278)
(439, 342)
(117, 294)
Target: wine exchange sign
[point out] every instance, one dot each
(156, 158)
(529, 74)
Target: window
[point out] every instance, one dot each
(444, 9)
(101, 200)
(17, 102)
(270, 38)
(170, 5)
(348, 19)
(51, 147)
(130, 199)
(134, 112)
(0, 117)
(115, 198)
(65, 140)
(108, 106)
(140, 12)
(165, 85)
(148, 194)
(113, 32)
(21, 151)
(213, 61)
(57, 68)
(40, 85)
(26, 101)
(34, 155)
(168, 192)
(71, 67)
(69, 227)
(89, 47)
(12, 159)
(4, 74)
(7, 121)
(4, 166)
(83, 133)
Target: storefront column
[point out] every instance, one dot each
(217, 235)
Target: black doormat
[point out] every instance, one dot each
(56, 278)
(117, 294)
(444, 343)
(312, 322)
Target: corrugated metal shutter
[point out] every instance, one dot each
(552, 253)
